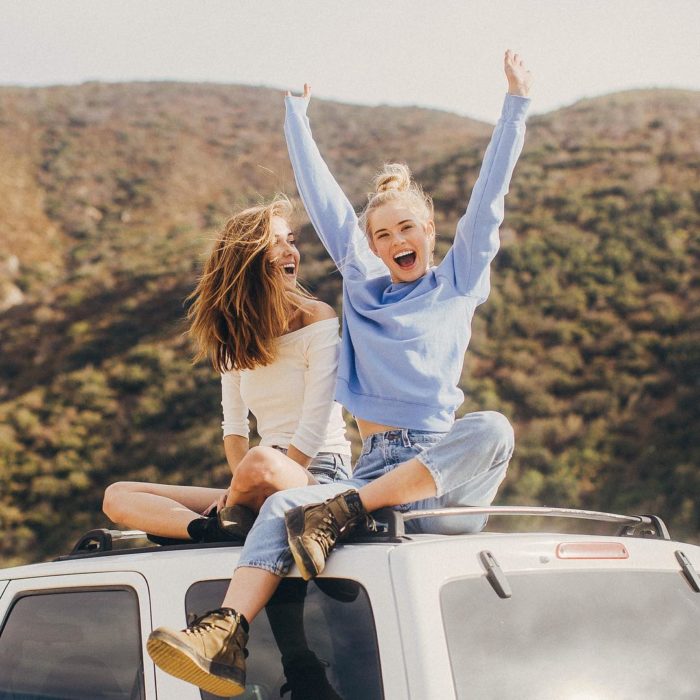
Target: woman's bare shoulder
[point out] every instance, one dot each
(314, 311)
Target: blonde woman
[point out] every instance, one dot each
(406, 326)
(276, 349)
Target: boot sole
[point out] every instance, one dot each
(178, 660)
(294, 521)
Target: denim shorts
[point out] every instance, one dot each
(467, 464)
(327, 467)
(382, 452)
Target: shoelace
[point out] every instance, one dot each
(326, 533)
(201, 625)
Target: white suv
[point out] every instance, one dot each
(429, 617)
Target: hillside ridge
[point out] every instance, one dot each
(111, 195)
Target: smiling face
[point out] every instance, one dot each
(283, 251)
(402, 239)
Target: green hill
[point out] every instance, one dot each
(110, 194)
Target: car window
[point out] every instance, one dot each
(314, 640)
(611, 634)
(72, 645)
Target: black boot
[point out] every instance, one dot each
(208, 530)
(236, 521)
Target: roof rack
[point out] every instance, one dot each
(391, 527)
(101, 539)
(630, 525)
(100, 542)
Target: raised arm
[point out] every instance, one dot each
(476, 240)
(330, 212)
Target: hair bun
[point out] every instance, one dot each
(393, 176)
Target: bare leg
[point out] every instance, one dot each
(166, 510)
(410, 481)
(262, 472)
(159, 509)
(250, 590)
(470, 461)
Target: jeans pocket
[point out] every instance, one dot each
(324, 474)
(426, 442)
(401, 454)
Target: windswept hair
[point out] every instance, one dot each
(241, 303)
(392, 183)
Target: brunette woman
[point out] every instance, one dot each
(276, 348)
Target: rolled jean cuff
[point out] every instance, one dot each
(424, 459)
(278, 569)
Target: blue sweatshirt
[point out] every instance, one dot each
(403, 345)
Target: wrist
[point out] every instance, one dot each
(298, 456)
(518, 89)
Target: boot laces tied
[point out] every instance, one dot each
(201, 625)
(327, 529)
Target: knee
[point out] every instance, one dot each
(493, 430)
(501, 429)
(114, 498)
(498, 427)
(255, 469)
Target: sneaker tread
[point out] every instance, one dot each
(175, 658)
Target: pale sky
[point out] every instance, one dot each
(434, 53)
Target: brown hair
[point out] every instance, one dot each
(395, 183)
(241, 303)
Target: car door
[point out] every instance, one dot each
(77, 636)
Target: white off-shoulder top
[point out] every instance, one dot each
(292, 399)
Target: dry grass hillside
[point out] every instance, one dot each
(110, 193)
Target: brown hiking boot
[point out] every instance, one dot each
(210, 653)
(313, 530)
(236, 521)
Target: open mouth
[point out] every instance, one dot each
(289, 269)
(405, 259)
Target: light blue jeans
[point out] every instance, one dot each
(327, 467)
(467, 463)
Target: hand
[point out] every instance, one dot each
(219, 503)
(307, 92)
(519, 77)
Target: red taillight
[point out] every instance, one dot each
(592, 550)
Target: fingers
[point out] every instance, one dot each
(306, 94)
(519, 77)
(513, 59)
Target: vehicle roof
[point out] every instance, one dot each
(208, 560)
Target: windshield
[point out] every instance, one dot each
(574, 635)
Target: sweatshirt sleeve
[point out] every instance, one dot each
(235, 411)
(329, 209)
(321, 353)
(476, 241)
